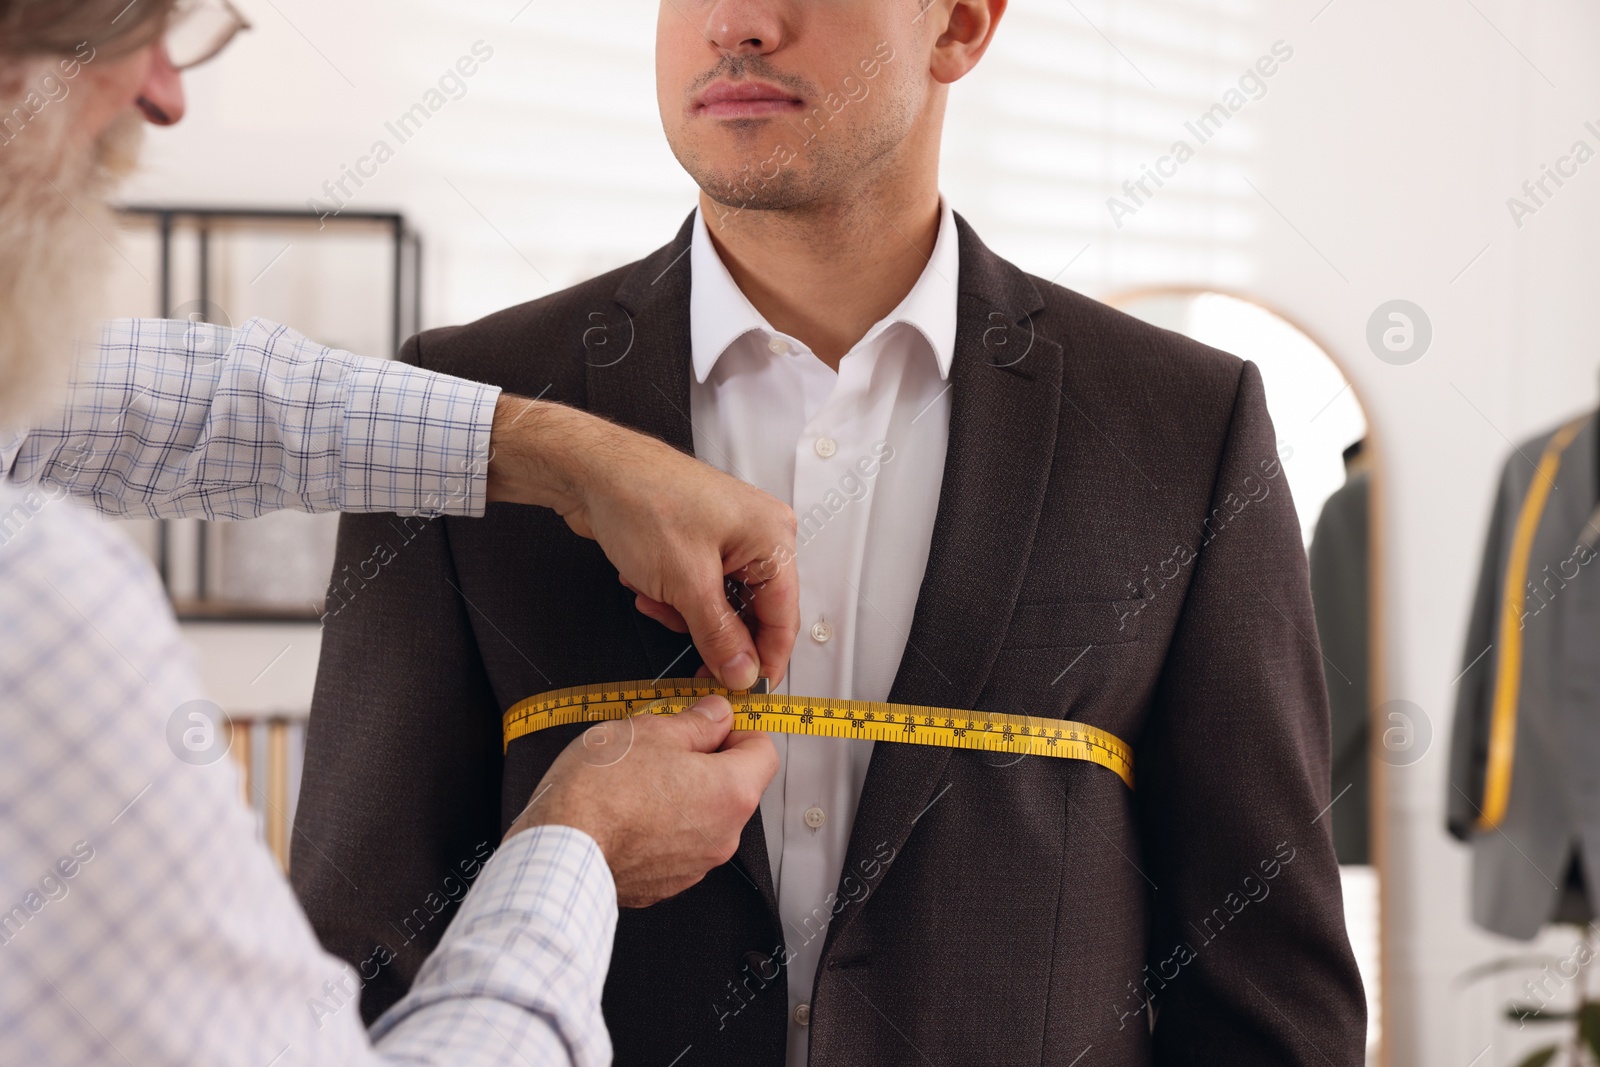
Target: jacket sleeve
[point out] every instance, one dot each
(400, 797)
(1249, 950)
(1469, 733)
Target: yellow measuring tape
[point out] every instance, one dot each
(984, 731)
(1508, 670)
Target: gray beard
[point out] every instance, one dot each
(53, 257)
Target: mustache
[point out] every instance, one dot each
(757, 68)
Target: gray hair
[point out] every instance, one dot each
(50, 27)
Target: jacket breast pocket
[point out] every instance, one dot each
(1074, 624)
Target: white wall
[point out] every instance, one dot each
(1381, 157)
(515, 185)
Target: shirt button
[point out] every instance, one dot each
(778, 346)
(820, 632)
(826, 446)
(802, 1014)
(815, 816)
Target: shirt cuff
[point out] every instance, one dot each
(414, 441)
(552, 871)
(535, 934)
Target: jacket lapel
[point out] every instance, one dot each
(636, 370)
(1006, 382)
(637, 353)
(638, 357)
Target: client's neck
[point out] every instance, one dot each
(824, 273)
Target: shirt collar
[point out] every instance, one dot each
(720, 313)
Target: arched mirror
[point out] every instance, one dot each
(1322, 441)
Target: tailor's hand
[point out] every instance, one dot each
(674, 528)
(665, 797)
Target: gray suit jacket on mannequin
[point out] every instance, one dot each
(1339, 575)
(1520, 863)
(1112, 503)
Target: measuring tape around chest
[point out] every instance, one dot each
(827, 717)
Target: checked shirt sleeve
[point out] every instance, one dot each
(173, 419)
(517, 979)
(142, 924)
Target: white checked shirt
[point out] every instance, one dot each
(859, 454)
(140, 921)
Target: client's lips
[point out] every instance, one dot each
(745, 99)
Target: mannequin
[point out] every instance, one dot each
(1524, 782)
(1339, 576)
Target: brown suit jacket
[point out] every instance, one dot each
(1114, 543)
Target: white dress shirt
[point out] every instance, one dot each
(859, 454)
(141, 923)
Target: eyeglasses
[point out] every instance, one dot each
(198, 29)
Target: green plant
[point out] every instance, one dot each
(1584, 1037)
